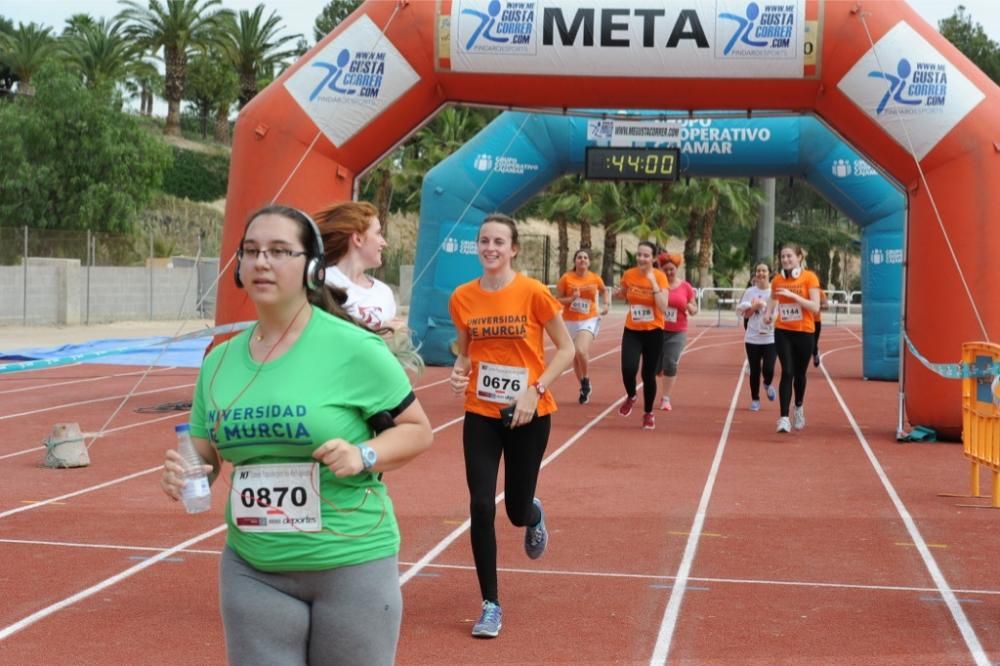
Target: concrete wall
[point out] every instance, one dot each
(60, 291)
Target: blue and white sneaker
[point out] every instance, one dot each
(755, 405)
(536, 538)
(490, 621)
(771, 395)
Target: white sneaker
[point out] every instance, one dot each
(784, 425)
(800, 418)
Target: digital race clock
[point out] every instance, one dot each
(611, 163)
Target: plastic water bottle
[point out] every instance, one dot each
(197, 494)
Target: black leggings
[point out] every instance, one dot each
(819, 327)
(484, 440)
(795, 350)
(648, 345)
(761, 358)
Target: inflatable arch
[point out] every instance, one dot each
(875, 72)
(518, 154)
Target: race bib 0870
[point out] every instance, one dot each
(280, 497)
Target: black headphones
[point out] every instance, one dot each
(315, 271)
(793, 273)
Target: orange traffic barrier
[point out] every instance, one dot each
(981, 413)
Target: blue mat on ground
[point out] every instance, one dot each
(185, 353)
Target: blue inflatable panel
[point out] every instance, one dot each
(519, 154)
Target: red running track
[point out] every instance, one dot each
(711, 540)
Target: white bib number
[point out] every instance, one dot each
(670, 316)
(276, 498)
(580, 305)
(500, 383)
(642, 313)
(790, 311)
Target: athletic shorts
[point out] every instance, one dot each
(593, 325)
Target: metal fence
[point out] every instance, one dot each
(73, 277)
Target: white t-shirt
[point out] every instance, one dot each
(373, 306)
(758, 333)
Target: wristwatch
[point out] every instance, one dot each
(368, 456)
(540, 388)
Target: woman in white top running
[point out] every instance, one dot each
(759, 337)
(353, 243)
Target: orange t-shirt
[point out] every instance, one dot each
(506, 330)
(791, 315)
(584, 307)
(643, 315)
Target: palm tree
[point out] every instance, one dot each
(252, 46)
(100, 51)
(24, 51)
(144, 80)
(178, 27)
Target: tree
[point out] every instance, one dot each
(7, 76)
(178, 27)
(252, 46)
(99, 50)
(212, 85)
(70, 161)
(331, 16)
(24, 51)
(972, 41)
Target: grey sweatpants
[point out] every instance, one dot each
(349, 615)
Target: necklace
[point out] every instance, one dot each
(495, 286)
(211, 385)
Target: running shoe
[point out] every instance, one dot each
(784, 425)
(665, 405)
(490, 621)
(626, 407)
(800, 417)
(816, 359)
(536, 538)
(648, 422)
(755, 405)
(585, 390)
(771, 395)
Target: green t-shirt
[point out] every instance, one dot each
(327, 385)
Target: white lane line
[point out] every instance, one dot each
(672, 612)
(41, 614)
(94, 400)
(84, 380)
(82, 491)
(947, 594)
(544, 572)
(103, 434)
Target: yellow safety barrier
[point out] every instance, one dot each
(981, 414)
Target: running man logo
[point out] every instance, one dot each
(360, 75)
(928, 86)
(760, 31)
(495, 26)
(904, 76)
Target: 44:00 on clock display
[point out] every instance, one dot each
(627, 163)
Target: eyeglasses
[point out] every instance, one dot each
(275, 255)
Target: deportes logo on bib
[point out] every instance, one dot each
(359, 75)
(497, 26)
(760, 30)
(910, 86)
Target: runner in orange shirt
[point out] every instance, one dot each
(644, 288)
(579, 291)
(501, 320)
(795, 300)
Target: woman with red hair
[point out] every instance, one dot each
(353, 244)
(681, 303)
